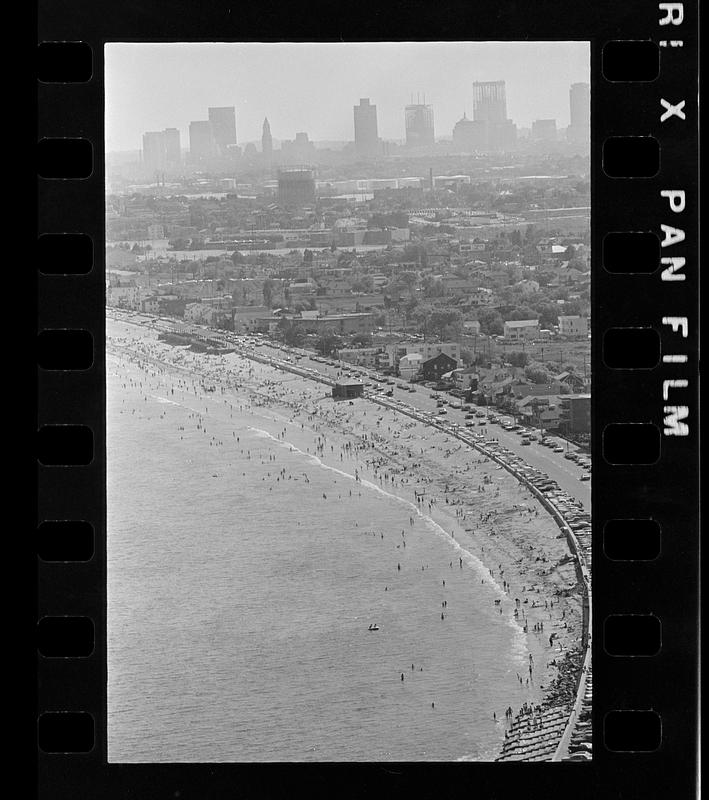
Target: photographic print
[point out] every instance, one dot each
(348, 394)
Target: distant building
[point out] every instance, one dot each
(365, 129)
(410, 366)
(223, 127)
(301, 150)
(161, 149)
(335, 323)
(573, 326)
(544, 130)
(490, 108)
(296, 186)
(266, 141)
(489, 101)
(397, 350)
(435, 367)
(419, 125)
(579, 131)
(202, 141)
(519, 330)
(575, 413)
(361, 356)
(469, 135)
(154, 151)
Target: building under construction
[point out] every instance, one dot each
(296, 186)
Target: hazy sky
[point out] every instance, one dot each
(313, 87)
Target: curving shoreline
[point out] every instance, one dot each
(500, 540)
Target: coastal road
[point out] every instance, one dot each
(565, 472)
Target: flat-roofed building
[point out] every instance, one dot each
(575, 413)
(521, 329)
(574, 326)
(346, 390)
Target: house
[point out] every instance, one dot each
(540, 412)
(471, 327)
(465, 378)
(428, 350)
(573, 326)
(435, 367)
(361, 356)
(519, 330)
(570, 380)
(245, 318)
(410, 366)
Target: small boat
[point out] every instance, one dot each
(373, 627)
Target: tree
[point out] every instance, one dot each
(290, 333)
(268, 285)
(518, 359)
(548, 315)
(444, 323)
(327, 343)
(537, 375)
(522, 312)
(362, 340)
(491, 323)
(237, 257)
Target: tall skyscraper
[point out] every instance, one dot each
(365, 128)
(580, 113)
(419, 125)
(161, 149)
(266, 141)
(154, 150)
(173, 152)
(202, 141)
(490, 108)
(224, 127)
(489, 101)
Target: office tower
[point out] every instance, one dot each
(489, 101)
(154, 151)
(266, 141)
(419, 125)
(365, 128)
(544, 130)
(202, 141)
(161, 149)
(224, 127)
(580, 113)
(173, 153)
(490, 108)
(469, 135)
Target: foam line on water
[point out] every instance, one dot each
(469, 559)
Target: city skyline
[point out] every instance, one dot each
(179, 81)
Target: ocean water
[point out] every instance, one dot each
(242, 578)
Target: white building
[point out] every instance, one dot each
(361, 356)
(427, 350)
(519, 330)
(573, 326)
(410, 365)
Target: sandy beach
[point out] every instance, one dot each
(495, 527)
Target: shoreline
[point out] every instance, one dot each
(499, 539)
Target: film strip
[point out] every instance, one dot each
(642, 636)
